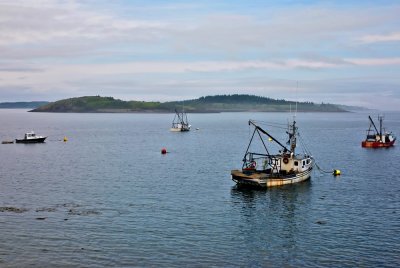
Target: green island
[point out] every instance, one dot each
(208, 104)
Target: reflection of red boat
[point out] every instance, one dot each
(378, 139)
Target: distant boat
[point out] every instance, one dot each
(180, 122)
(31, 137)
(378, 139)
(263, 169)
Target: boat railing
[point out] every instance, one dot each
(265, 163)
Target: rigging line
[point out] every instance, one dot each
(247, 150)
(303, 147)
(271, 126)
(267, 122)
(303, 144)
(262, 142)
(274, 126)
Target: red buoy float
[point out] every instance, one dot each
(163, 150)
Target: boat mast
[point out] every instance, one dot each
(184, 116)
(292, 137)
(297, 88)
(292, 128)
(380, 118)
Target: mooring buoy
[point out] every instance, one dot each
(336, 172)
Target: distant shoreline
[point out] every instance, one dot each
(188, 112)
(208, 104)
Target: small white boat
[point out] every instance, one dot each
(31, 137)
(262, 169)
(180, 122)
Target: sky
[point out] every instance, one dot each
(343, 52)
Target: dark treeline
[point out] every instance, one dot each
(22, 104)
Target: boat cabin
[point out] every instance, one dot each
(298, 163)
(30, 135)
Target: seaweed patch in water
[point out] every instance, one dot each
(45, 209)
(83, 212)
(13, 209)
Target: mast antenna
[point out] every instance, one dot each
(297, 87)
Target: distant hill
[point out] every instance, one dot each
(218, 103)
(22, 105)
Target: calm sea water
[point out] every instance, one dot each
(107, 197)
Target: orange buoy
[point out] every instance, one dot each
(163, 151)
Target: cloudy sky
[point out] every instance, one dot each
(345, 52)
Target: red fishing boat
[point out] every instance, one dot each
(378, 138)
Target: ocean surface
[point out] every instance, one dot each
(108, 198)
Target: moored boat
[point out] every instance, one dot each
(180, 122)
(378, 138)
(266, 169)
(31, 137)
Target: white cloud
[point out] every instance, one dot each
(375, 61)
(392, 37)
(31, 23)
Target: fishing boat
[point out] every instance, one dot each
(264, 169)
(378, 138)
(31, 137)
(180, 122)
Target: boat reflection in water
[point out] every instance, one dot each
(275, 221)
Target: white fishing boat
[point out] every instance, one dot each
(180, 122)
(264, 169)
(31, 137)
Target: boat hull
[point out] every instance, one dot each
(179, 129)
(264, 180)
(376, 144)
(37, 140)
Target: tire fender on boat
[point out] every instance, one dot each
(285, 160)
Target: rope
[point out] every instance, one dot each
(321, 170)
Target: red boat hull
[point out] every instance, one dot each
(376, 144)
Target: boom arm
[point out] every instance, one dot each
(266, 133)
(372, 122)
